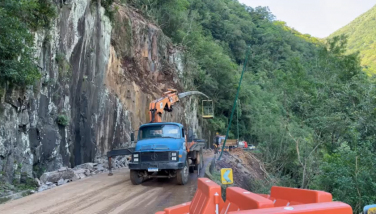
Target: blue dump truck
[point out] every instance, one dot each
(163, 149)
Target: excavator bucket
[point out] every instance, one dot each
(207, 109)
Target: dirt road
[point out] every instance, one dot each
(106, 194)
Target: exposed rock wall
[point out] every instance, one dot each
(98, 78)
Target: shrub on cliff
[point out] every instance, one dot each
(62, 120)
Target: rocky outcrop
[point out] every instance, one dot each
(98, 77)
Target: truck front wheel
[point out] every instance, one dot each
(135, 178)
(182, 174)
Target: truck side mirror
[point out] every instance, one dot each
(132, 137)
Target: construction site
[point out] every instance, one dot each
(180, 107)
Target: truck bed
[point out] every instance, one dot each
(197, 144)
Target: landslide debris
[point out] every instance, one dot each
(248, 171)
(65, 175)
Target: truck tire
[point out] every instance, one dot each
(182, 174)
(135, 178)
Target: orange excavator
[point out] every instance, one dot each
(165, 103)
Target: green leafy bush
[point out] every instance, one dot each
(62, 120)
(349, 175)
(17, 64)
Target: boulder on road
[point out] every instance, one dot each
(55, 176)
(81, 176)
(87, 172)
(76, 177)
(61, 182)
(37, 181)
(52, 177)
(67, 174)
(42, 188)
(62, 169)
(89, 166)
(99, 167)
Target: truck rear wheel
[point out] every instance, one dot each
(135, 178)
(182, 174)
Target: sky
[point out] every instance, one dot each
(320, 18)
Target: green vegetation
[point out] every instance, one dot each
(3, 200)
(39, 170)
(62, 120)
(307, 105)
(109, 11)
(361, 38)
(17, 18)
(21, 182)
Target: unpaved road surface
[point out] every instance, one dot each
(106, 194)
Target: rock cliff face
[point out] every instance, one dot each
(98, 77)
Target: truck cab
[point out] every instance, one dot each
(161, 151)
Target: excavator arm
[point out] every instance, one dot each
(165, 103)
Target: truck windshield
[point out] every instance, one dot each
(159, 131)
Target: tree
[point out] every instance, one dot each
(17, 18)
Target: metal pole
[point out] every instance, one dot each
(237, 122)
(237, 94)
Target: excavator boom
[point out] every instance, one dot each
(189, 93)
(165, 103)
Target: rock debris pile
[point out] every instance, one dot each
(65, 175)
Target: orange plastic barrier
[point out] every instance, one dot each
(318, 208)
(206, 200)
(284, 196)
(178, 209)
(241, 199)
(208, 194)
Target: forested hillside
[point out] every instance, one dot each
(361, 35)
(308, 106)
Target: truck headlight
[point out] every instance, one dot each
(135, 155)
(173, 158)
(135, 159)
(173, 154)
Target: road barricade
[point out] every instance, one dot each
(284, 196)
(207, 199)
(318, 208)
(240, 199)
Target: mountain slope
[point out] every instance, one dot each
(362, 37)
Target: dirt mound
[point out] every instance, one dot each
(249, 172)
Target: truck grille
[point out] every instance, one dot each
(154, 156)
